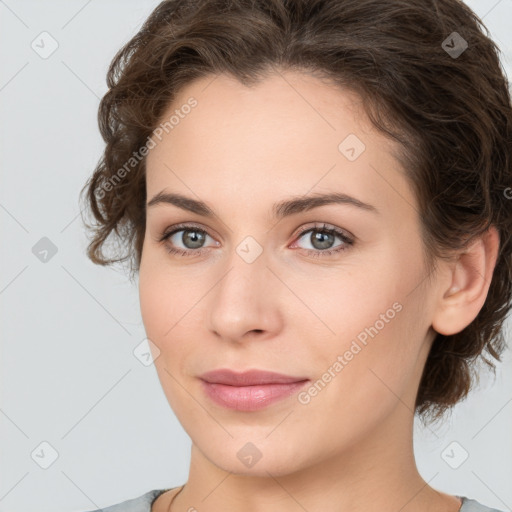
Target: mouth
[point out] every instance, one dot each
(251, 390)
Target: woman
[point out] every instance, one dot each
(314, 198)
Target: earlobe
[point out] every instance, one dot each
(465, 288)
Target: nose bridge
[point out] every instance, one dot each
(247, 266)
(242, 300)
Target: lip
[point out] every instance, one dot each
(250, 390)
(248, 378)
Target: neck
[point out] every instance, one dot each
(375, 473)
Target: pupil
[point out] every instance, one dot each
(194, 237)
(324, 240)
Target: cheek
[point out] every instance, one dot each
(374, 323)
(148, 297)
(169, 302)
(360, 382)
(350, 302)
(370, 332)
(161, 303)
(159, 289)
(156, 293)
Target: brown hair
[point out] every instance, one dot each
(448, 107)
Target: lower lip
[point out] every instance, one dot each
(250, 398)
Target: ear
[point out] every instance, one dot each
(464, 290)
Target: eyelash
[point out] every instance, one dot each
(347, 242)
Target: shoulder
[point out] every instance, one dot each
(139, 504)
(470, 505)
(143, 504)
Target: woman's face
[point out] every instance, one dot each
(266, 287)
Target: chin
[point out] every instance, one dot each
(243, 456)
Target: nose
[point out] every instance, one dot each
(246, 302)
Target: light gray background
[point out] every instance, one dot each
(68, 373)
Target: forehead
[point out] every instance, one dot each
(305, 105)
(286, 135)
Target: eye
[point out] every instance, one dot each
(190, 236)
(322, 238)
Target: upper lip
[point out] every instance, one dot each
(248, 378)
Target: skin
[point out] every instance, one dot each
(240, 150)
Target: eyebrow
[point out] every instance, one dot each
(280, 210)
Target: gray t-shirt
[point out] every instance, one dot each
(143, 504)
